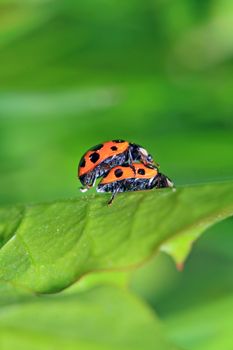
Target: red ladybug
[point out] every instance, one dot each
(97, 161)
(124, 179)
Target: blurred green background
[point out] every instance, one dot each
(74, 74)
(155, 72)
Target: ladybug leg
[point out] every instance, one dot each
(106, 167)
(95, 178)
(90, 183)
(113, 195)
(130, 160)
(93, 181)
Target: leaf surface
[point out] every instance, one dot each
(54, 244)
(204, 327)
(90, 320)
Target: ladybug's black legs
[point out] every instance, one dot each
(130, 161)
(89, 182)
(106, 167)
(113, 195)
(94, 181)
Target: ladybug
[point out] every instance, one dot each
(124, 179)
(98, 160)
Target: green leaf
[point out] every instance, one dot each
(205, 327)
(10, 218)
(195, 305)
(206, 278)
(179, 247)
(57, 243)
(90, 320)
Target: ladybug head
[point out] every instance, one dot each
(139, 153)
(161, 181)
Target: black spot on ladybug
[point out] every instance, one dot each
(118, 141)
(94, 157)
(141, 171)
(97, 147)
(118, 172)
(82, 163)
(114, 148)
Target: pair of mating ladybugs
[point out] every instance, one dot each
(123, 166)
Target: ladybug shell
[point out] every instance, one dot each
(97, 154)
(121, 173)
